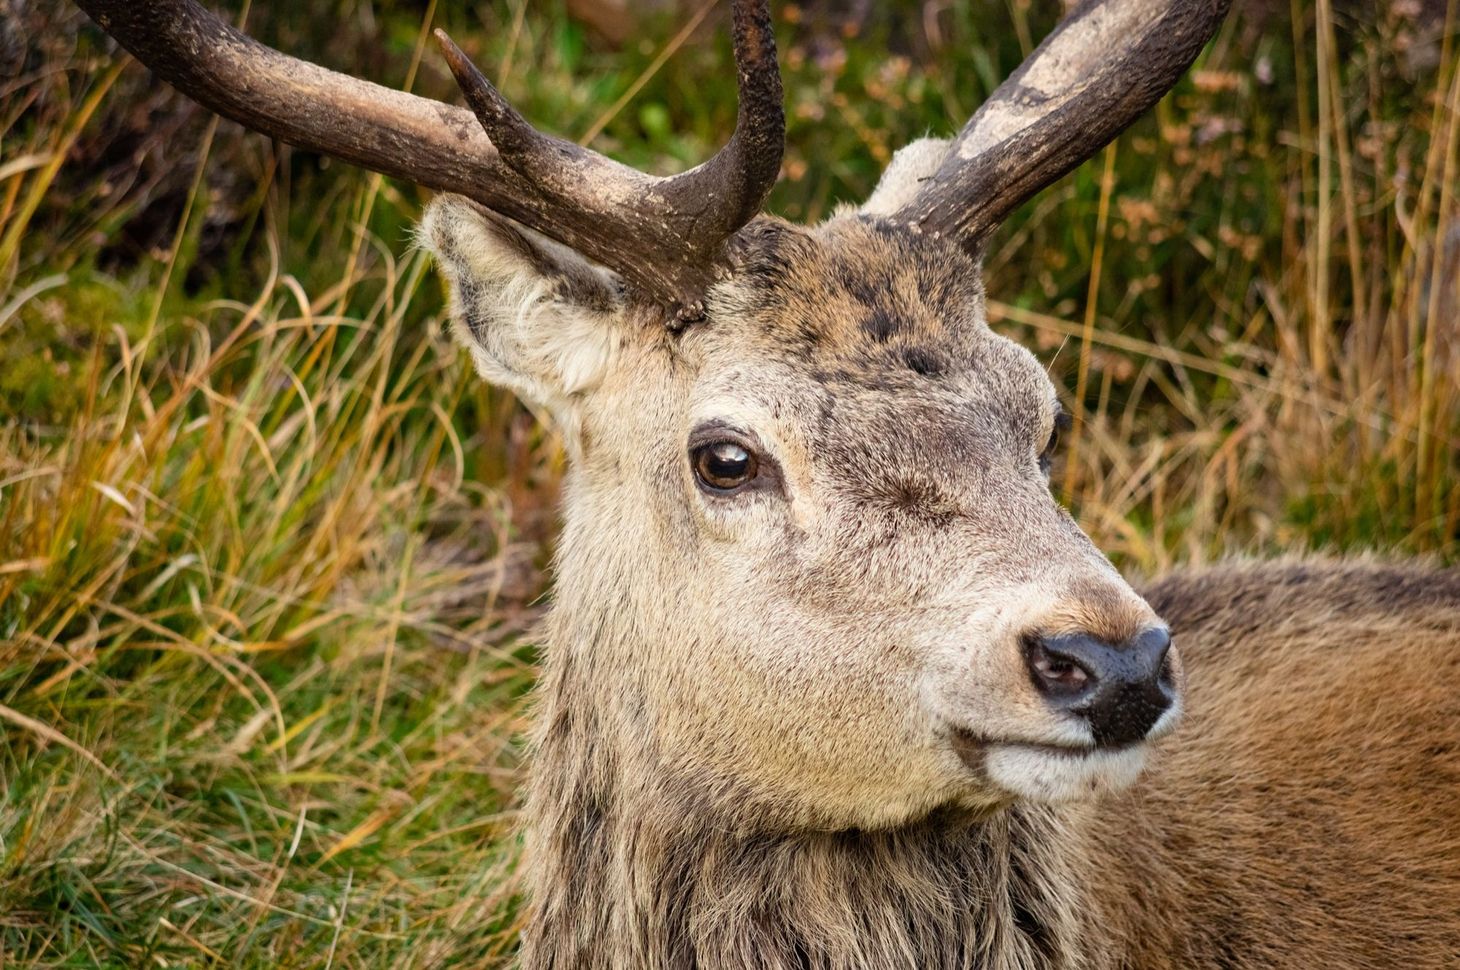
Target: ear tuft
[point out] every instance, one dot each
(536, 317)
(912, 164)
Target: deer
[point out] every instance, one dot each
(831, 680)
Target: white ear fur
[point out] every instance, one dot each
(536, 317)
(912, 163)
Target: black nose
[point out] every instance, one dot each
(1121, 689)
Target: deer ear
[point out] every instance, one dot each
(911, 165)
(538, 319)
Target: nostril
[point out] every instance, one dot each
(1166, 676)
(1055, 673)
(1063, 673)
(1060, 672)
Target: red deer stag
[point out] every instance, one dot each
(832, 682)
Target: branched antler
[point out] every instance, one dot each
(1103, 67)
(665, 236)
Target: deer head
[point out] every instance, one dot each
(810, 559)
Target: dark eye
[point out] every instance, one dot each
(1046, 457)
(723, 466)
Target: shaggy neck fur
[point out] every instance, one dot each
(628, 873)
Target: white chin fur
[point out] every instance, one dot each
(1038, 775)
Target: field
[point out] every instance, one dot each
(271, 558)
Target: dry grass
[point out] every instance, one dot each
(269, 558)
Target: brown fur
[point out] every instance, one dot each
(1306, 815)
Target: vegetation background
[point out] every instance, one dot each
(270, 557)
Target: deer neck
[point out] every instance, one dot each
(629, 870)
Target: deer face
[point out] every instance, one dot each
(809, 556)
(816, 527)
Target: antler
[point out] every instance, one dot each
(665, 236)
(1102, 68)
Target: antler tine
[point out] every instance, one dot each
(683, 220)
(750, 162)
(1103, 67)
(665, 236)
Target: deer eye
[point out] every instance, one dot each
(723, 466)
(1062, 423)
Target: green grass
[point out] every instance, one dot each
(270, 558)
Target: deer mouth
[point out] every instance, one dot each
(973, 748)
(1044, 772)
